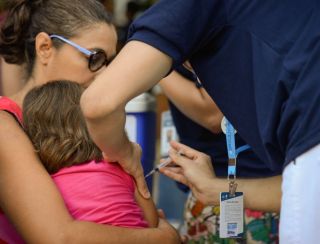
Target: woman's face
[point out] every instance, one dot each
(69, 63)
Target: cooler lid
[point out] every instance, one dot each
(142, 103)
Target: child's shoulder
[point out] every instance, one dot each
(115, 169)
(111, 171)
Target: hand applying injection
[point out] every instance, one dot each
(195, 171)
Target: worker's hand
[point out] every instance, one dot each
(131, 163)
(195, 171)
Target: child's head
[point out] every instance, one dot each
(55, 124)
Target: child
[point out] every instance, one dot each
(93, 190)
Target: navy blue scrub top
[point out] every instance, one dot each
(259, 60)
(199, 138)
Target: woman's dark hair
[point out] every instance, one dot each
(27, 18)
(54, 123)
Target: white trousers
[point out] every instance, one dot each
(300, 204)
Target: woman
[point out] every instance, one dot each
(55, 39)
(257, 60)
(198, 122)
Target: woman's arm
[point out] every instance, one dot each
(104, 101)
(149, 209)
(196, 171)
(194, 102)
(31, 201)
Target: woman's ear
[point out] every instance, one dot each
(43, 47)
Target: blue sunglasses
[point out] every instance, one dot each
(97, 59)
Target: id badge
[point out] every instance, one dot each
(231, 215)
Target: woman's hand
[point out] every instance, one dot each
(131, 163)
(195, 170)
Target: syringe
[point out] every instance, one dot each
(162, 165)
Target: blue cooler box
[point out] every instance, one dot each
(141, 128)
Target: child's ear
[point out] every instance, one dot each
(43, 47)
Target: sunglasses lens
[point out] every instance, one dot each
(97, 60)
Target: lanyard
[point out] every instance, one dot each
(231, 145)
(232, 156)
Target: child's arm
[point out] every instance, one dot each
(148, 208)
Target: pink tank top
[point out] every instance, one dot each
(100, 192)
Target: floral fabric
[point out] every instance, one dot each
(202, 225)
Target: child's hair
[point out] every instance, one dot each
(27, 18)
(54, 122)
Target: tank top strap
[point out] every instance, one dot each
(8, 105)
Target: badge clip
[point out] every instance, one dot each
(232, 188)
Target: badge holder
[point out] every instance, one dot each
(231, 202)
(168, 133)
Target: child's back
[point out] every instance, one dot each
(100, 192)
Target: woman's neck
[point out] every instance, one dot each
(19, 96)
